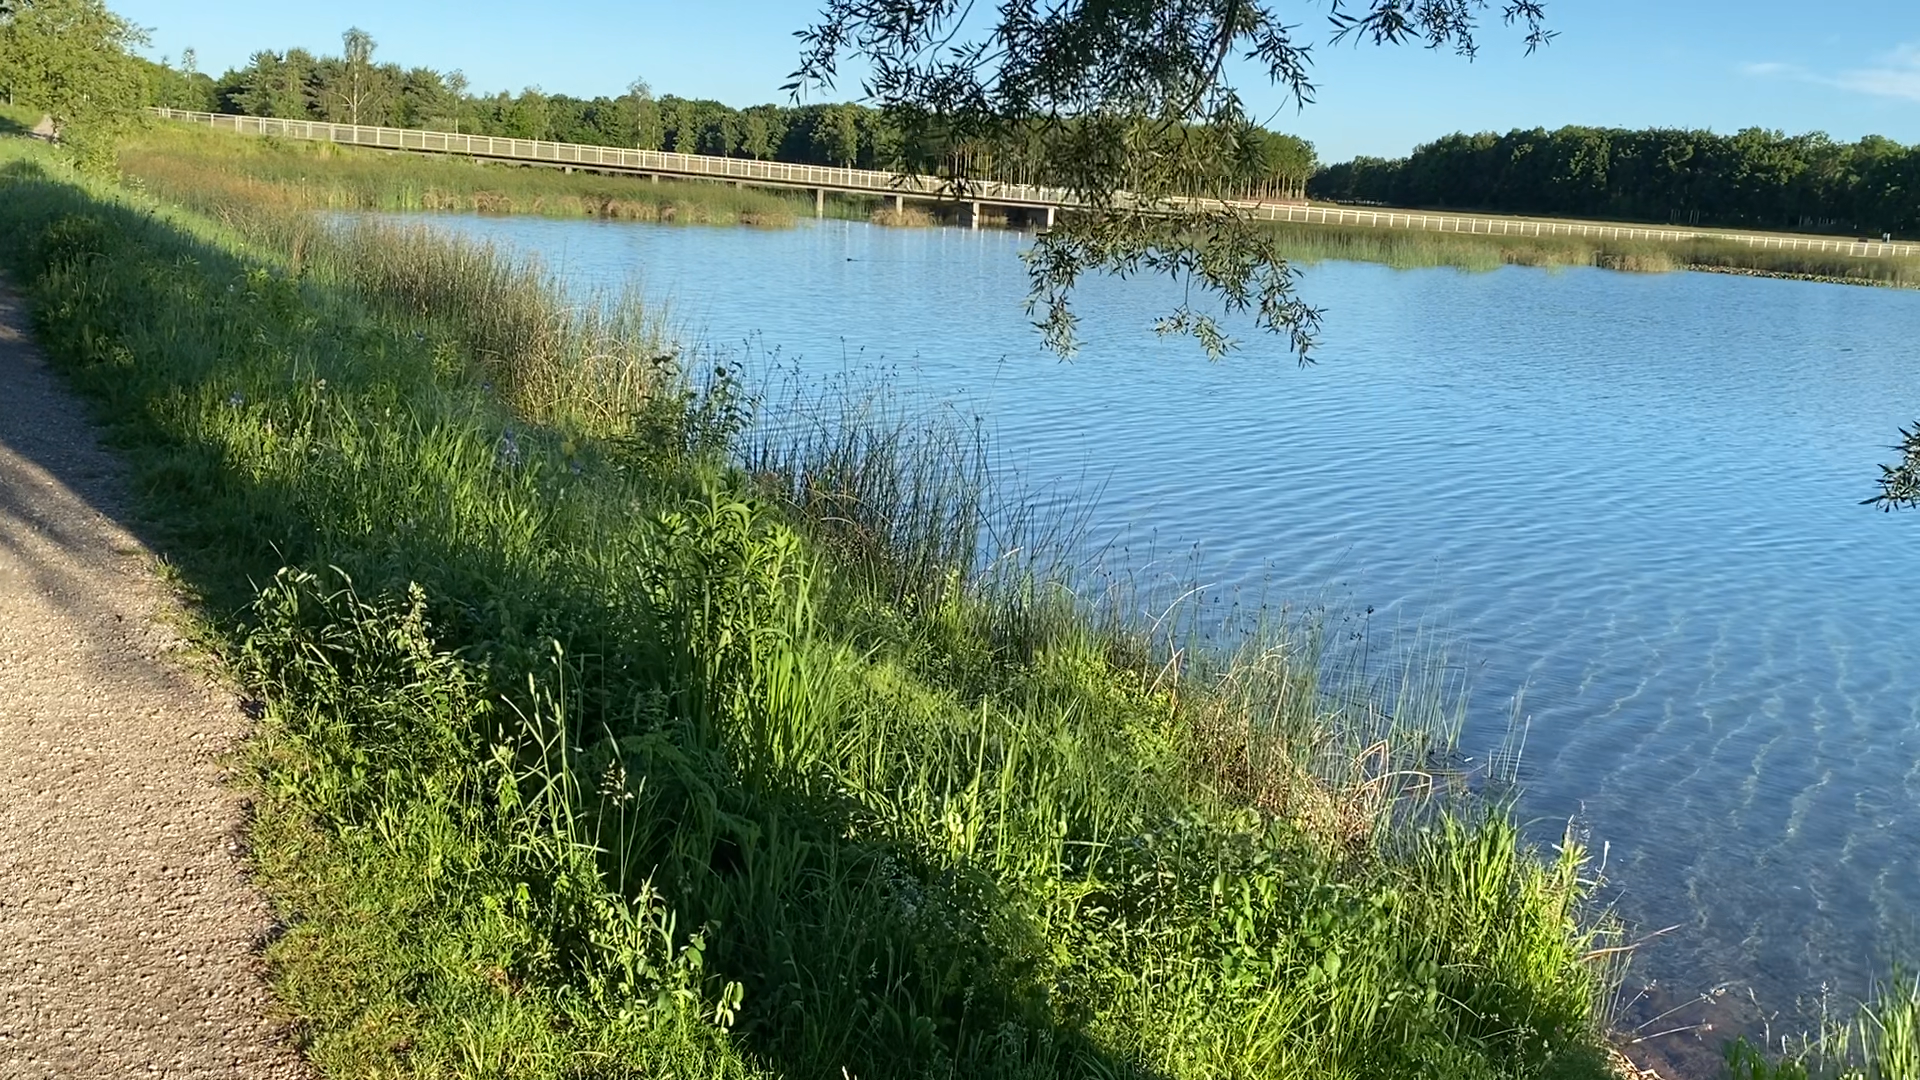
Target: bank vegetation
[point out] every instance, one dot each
(602, 735)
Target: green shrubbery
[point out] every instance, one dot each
(589, 751)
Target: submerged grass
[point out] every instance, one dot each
(605, 737)
(1881, 1041)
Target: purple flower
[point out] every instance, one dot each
(507, 453)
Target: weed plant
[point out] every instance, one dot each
(601, 739)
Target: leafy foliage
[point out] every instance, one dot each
(1900, 482)
(1132, 107)
(1753, 179)
(72, 59)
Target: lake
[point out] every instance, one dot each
(1632, 501)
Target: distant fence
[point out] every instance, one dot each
(1483, 225)
(876, 182)
(655, 162)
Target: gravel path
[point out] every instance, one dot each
(126, 926)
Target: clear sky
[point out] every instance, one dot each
(1847, 67)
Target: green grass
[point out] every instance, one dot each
(587, 751)
(1410, 248)
(217, 169)
(15, 120)
(181, 161)
(1881, 1041)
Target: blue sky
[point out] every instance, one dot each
(1849, 67)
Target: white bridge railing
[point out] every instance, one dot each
(875, 182)
(700, 166)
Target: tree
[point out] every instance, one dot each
(73, 60)
(645, 131)
(457, 89)
(529, 115)
(424, 99)
(275, 85)
(836, 137)
(360, 90)
(1128, 105)
(761, 130)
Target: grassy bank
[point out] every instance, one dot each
(209, 167)
(1410, 248)
(587, 752)
(296, 175)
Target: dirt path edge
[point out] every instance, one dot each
(128, 929)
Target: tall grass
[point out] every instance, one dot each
(1409, 248)
(605, 737)
(180, 161)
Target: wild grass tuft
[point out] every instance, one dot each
(1881, 1041)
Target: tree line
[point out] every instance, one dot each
(353, 87)
(1754, 178)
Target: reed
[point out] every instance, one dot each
(293, 175)
(910, 217)
(1411, 248)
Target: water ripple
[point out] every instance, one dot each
(1633, 498)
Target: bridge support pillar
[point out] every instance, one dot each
(1049, 217)
(970, 215)
(819, 202)
(899, 204)
(568, 169)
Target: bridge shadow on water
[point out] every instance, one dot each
(804, 913)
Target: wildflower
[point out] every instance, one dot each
(235, 399)
(508, 453)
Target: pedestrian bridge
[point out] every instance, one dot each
(1036, 200)
(1033, 201)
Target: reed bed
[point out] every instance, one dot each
(295, 175)
(910, 217)
(1411, 248)
(623, 734)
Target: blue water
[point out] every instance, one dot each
(1633, 499)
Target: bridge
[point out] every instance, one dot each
(1036, 202)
